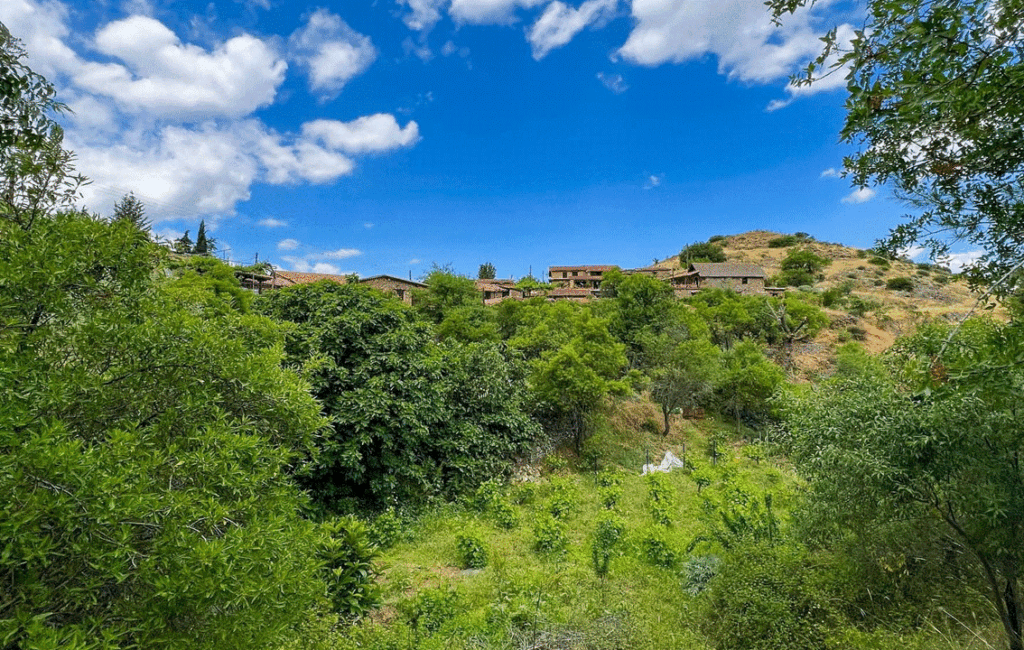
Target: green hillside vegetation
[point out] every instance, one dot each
(187, 465)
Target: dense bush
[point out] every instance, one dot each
(607, 536)
(701, 252)
(472, 551)
(900, 284)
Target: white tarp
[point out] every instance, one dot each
(669, 462)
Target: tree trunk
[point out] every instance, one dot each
(1013, 613)
(665, 412)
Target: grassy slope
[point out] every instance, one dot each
(525, 599)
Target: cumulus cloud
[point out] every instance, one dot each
(163, 77)
(340, 254)
(369, 134)
(331, 51)
(831, 172)
(422, 15)
(560, 23)
(270, 222)
(302, 265)
(613, 82)
(488, 12)
(834, 77)
(653, 180)
(957, 262)
(287, 244)
(367, 225)
(861, 195)
(739, 33)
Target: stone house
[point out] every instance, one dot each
(578, 277)
(398, 287)
(736, 276)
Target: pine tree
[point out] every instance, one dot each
(183, 244)
(131, 209)
(204, 245)
(487, 271)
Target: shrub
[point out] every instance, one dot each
(472, 552)
(348, 557)
(387, 529)
(431, 609)
(763, 598)
(549, 535)
(858, 333)
(655, 550)
(662, 499)
(879, 261)
(564, 499)
(698, 571)
(607, 536)
(610, 496)
(861, 254)
(783, 242)
(701, 252)
(900, 284)
(504, 513)
(716, 238)
(524, 494)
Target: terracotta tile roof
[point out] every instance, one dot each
(412, 283)
(727, 270)
(289, 278)
(588, 269)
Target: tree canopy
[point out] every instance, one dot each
(931, 113)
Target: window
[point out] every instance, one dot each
(575, 273)
(744, 280)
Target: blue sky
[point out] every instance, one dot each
(384, 136)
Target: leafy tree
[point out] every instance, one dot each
(204, 245)
(411, 419)
(469, 324)
(747, 381)
(36, 172)
(144, 455)
(486, 271)
(936, 440)
(130, 209)
(184, 244)
(701, 252)
(642, 307)
(801, 266)
(683, 374)
(445, 291)
(928, 110)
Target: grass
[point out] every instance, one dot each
(554, 600)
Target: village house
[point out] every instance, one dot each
(277, 279)
(398, 287)
(495, 291)
(573, 295)
(578, 277)
(735, 276)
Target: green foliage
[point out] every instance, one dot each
(643, 306)
(784, 241)
(747, 382)
(388, 528)
(36, 172)
(486, 272)
(716, 238)
(209, 277)
(698, 571)
(472, 551)
(801, 267)
(347, 556)
(549, 535)
(565, 498)
(607, 536)
(445, 292)
(938, 441)
(430, 609)
(491, 499)
(656, 550)
(130, 209)
(469, 324)
(764, 598)
(900, 284)
(662, 498)
(837, 295)
(144, 454)
(204, 245)
(411, 418)
(964, 181)
(701, 252)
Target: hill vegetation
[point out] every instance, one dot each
(187, 465)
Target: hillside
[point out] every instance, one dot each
(866, 310)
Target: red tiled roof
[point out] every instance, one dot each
(412, 283)
(588, 269)
(289, 278)
(727, 270)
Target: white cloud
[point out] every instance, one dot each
(331, 51)
(340, 254)
(653, 181)
(834, 77)
(560, 23)
(957, 262)
(613, 82)
(423, 14)
(42, 28)
(739, 33)
(831, 172)
(162, 77)
(303, 265)
(414, 260)
(367, 225)
(287, 244)
(488, 12)
(270, 222)
(372, 133)
(861, 195)
(419, 49)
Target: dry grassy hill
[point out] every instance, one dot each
(877, 315)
